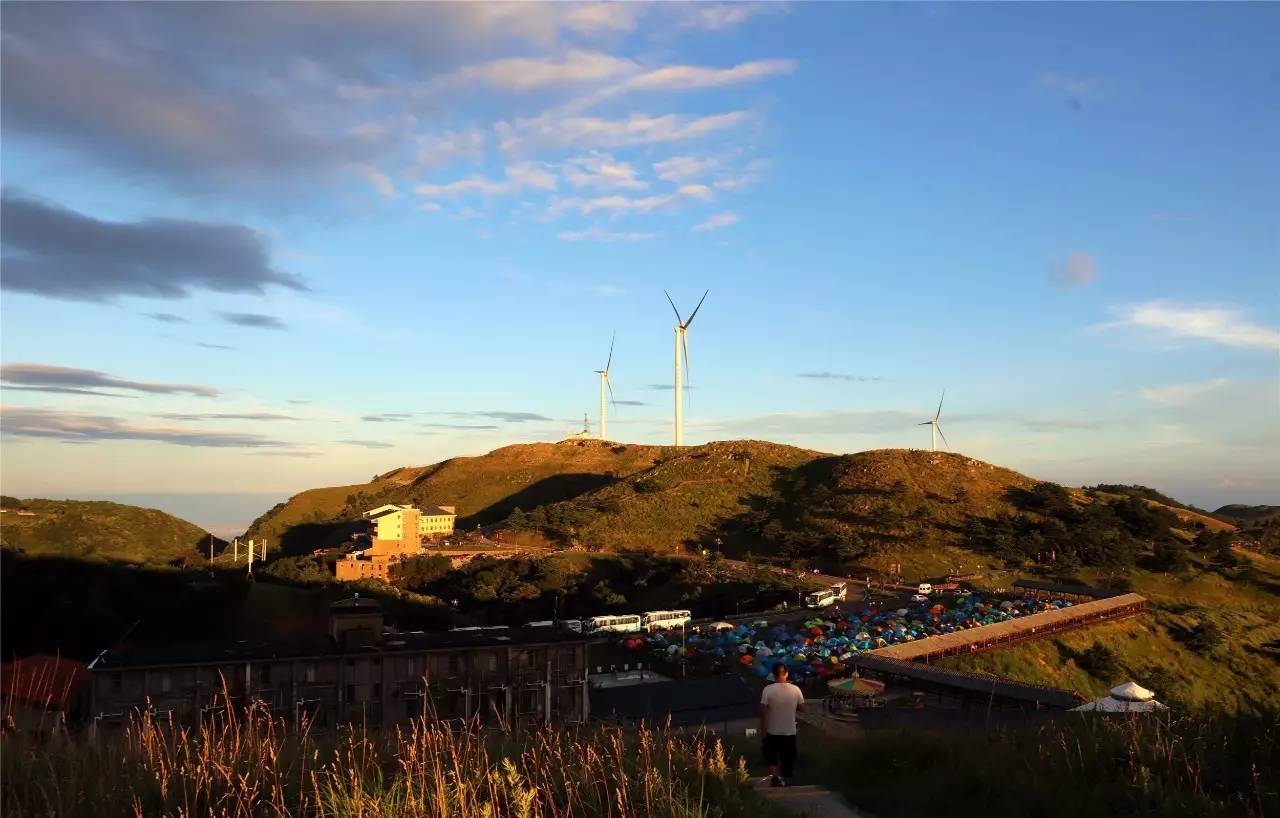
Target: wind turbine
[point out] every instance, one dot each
(605, 383)
(682, 345)
(935, 430)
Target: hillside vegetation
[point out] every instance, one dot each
(485, 489)
(98, 530)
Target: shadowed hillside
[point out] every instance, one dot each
(98, 530)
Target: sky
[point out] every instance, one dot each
(250, 249)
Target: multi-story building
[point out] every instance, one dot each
(361, 671)
(398, 532)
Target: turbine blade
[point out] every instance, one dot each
(615, 337)
(926, 423)
(695, 309)
(944, 438)
(609, 383)
(679, 320)
(938, 414)
(684, 339)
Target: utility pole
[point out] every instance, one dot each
(236, 550)
(210, 549)
(250, 557)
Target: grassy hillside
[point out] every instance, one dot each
(96, 530)
(485, 489)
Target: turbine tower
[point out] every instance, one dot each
(682, 346)
(605, 383)
(935, 430)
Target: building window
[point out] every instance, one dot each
(351, 694)
(264, 674)
(309, 673)
(116, 682)
(377, 690)
(166, 682)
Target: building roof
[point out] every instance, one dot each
(437, 511)
(50, 681)
(1058, 588)
(212, 653)
(697, 700)
(963, 680)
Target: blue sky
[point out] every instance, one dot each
(258, 248)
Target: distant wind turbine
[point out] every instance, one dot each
(935, 430)
(606, 383)
(682, 347)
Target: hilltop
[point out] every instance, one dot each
(744, 496)
(102, 531)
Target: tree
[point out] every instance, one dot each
(1206, 638)
(1172, 556)
(1100, 661)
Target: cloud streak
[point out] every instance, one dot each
(839, 376)
(255, 320)
(54, 252)
(74, 427)
(1226, 326)
(62, 378)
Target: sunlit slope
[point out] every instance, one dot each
(484, 488)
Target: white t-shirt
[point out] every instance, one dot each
(782, 698)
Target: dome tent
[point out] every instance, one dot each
(1129, 697)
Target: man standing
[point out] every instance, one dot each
(778, 705)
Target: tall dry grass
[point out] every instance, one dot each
(251, 763)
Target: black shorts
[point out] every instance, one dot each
(780, 750)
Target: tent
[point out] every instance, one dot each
(1129, 697)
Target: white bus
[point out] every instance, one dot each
(571, 624)
(924, 589)
(653, 620)
(841, 590)
(820, 599)
(618, 623)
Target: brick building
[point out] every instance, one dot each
(398, 532)
(361, 671)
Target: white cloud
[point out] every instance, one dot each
(685, 168)
(380, 181)
(430, 207)
(600, 234)
(716, 222)
(717, 16)
(601, 171)
(443, 149)
(624, 204)
(598, 18)
(1180, 394)
(752, 173)
(1077, 269)
(1220, 325)
(550, 131)
(536, 73)
(694, 77)
(520, 176)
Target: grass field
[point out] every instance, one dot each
(251, 764)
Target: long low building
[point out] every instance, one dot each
(1020, 629)
(361, 672)
(969, 689)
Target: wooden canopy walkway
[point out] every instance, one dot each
(1022, 629)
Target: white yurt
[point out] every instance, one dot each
(1129, 697)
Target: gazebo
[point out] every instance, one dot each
(1129, 697)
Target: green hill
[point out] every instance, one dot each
(1249, 515)
(102, 531)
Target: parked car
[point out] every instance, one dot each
(919, 598)
(964, 592)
